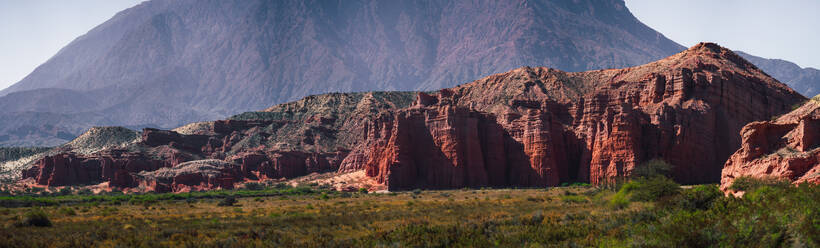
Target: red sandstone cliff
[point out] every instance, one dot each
(526, 127)
(785, 148)
(539, 126)
(165, 152)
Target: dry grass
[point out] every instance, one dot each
(301, 220)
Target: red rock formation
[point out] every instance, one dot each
(168, 149)
(785, 148)
(114, 167)
(437, 147)
(526, 127)
(539, 126)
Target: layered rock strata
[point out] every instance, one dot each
(542, 127)
(285, 141)
(787, 147)
(526, 127)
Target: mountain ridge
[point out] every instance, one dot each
(526, 127)
(174, 62)
(805, 80)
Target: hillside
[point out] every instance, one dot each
(803, 80)
(526, 127)
(165, 63)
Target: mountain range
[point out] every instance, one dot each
(531, 126)
(804, 80)
(165, 63)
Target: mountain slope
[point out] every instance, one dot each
(526, 127)
(164, 63)
(803, 80)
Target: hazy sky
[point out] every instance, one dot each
(783, 29)
(31, 31)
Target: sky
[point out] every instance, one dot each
(31, 31)
(782, 29)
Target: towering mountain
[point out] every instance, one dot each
(526, 127)
(803, 80)
(164, 63)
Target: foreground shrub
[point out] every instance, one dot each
(772, 215)
(648, 189)
(699, 197)
(619, 201)
(36, 217)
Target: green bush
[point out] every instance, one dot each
(619, 201)
(770, 214)
(648, 189)
(699, 197)
(36, 217)
(67, 211)
(746, 183)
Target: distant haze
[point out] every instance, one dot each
(34, 30)
(785, 29)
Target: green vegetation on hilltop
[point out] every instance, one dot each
(332, 105)
(324, 123)
(14, 153)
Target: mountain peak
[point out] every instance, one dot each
(708, 47)
(711, 50)
(709, 56)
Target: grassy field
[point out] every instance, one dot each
(648, 213)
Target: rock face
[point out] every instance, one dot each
(539, 126)
(785, 148)
(164, 63)
(163, 166)
(526, 127)
(285, 141)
